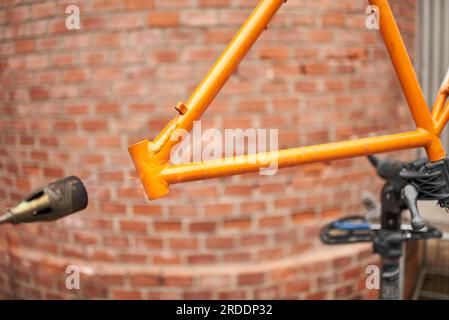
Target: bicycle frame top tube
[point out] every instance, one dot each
(151, 158)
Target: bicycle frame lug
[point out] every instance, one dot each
(148, 169)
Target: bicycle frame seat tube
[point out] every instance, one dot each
(407, 78)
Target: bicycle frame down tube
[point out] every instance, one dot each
(295, 156)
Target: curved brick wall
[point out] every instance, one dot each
(72, 101)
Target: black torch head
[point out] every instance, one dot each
(54, 201)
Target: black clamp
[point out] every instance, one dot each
(413, 181)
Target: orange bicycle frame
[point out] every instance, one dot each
(151, 158)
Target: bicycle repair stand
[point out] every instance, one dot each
(405, 184)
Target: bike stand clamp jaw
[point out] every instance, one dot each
(430, 179)
(408, 182)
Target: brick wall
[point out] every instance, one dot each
(72, 101)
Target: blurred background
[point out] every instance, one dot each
(73, 100)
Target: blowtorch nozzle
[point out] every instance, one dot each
(54, 201)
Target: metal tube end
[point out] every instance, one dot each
(4, 218)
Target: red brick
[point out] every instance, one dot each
(92, 159)
(334, 19)
(220, 242)
(167, 226)
(113, 208)
(76, 109)
(25, 46)
(241, 224)
(106, 4)
(147, 209)
(126, 295)
(86, 238)
(133, 258)
(116, 241)
(161, 295)
(184, 243)
(139, 4)
(133, 226)
(267, 293)
(343, 292)
(38, 94)
(301, 217)
(217, 209)
(317, 296)
(166, 260)
(214, 3)
(67, 125)
(95, 125)
(219, 35)
(53, 172)
(232, 295)
(250, 279)
(107, 40)
(315, 69)
(92, 23)
(278, 53)
(107, 108)
(201, 259)
(149, 242)
(199, 18)
(202, 227)
(43, 10)
(108, 141)
(74, 75)
(283, 274)
(272, 221)
(253, 239)
(75, 141)
(107, 74)
(102, 224)
(198, 295)
(145, 280)
(297, 286)
(178, 281)
(215, 281)
(17, 14)
(163, 19)
(342, 262)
